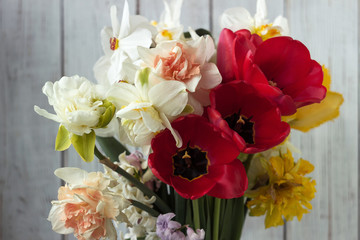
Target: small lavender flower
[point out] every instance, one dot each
(167, 229)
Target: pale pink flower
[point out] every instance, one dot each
(85, 206)
(187, 62)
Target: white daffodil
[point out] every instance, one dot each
(79, 105)
(169, 27)
(186, 62)
(145, 109)
(81, 109)
(240, 18)
(120, 44)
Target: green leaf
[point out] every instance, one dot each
(84, 145)
(108, 115)
(199, 31)
(180, 204)
(112, 147)
(144, 76)
(62, 141)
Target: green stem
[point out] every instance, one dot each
(216, 218)
(195, 204)
(150, 210)
(106, 161)
(240, 216)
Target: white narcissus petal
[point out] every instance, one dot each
(147, 55)
(192, 83)
(56, 215)
(105, 34)
(100, 69)
(116, 70)
(74, 176)
(169, 97)
(114, 21)
(261, 13)
(46, 114)
(132, 111)
(140, 37)
(125, 21)
(152, 120)
(236, 18)
(175, 133)
(283, 23)
(210, 76)
(121, 94)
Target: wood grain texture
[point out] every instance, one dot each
(329, 29)
(30, 50)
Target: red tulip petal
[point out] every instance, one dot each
(225, 54)
(233, 182)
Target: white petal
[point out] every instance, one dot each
(125, 22)
(153, 123)
(56, 214)
(132, 111)
(73, 176)
(261, 13)
(192, 83)
(147, 56)
(169, 97)
(283, 23)
(101, 69)
(106, 33)
(121, 94)
(114, 21)
(175, 133)
(210, 76)
(140, 37)
(44, 113)
(236, 18)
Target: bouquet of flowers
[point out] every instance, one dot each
(208, 128)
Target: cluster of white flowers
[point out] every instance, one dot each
(142, 223)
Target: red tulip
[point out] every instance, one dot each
(249, 119)
(280, 68)
(205, 164)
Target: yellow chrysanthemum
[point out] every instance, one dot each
(287, 193)
(314, 115)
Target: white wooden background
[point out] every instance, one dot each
(41, 40)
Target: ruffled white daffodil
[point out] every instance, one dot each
(169, 27)
(145, 109)
(186, 62)
(240, 18)
(81, 108)
(120, 44)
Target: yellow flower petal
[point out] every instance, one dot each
(314, 115)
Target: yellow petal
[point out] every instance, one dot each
(315, 114)
(327, 78)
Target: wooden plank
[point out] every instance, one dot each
(329, 29)
(83, 22)
(29, 56)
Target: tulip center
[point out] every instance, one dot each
(190, 163)
(243, 126)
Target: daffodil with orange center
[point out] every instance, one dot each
(287, 192)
